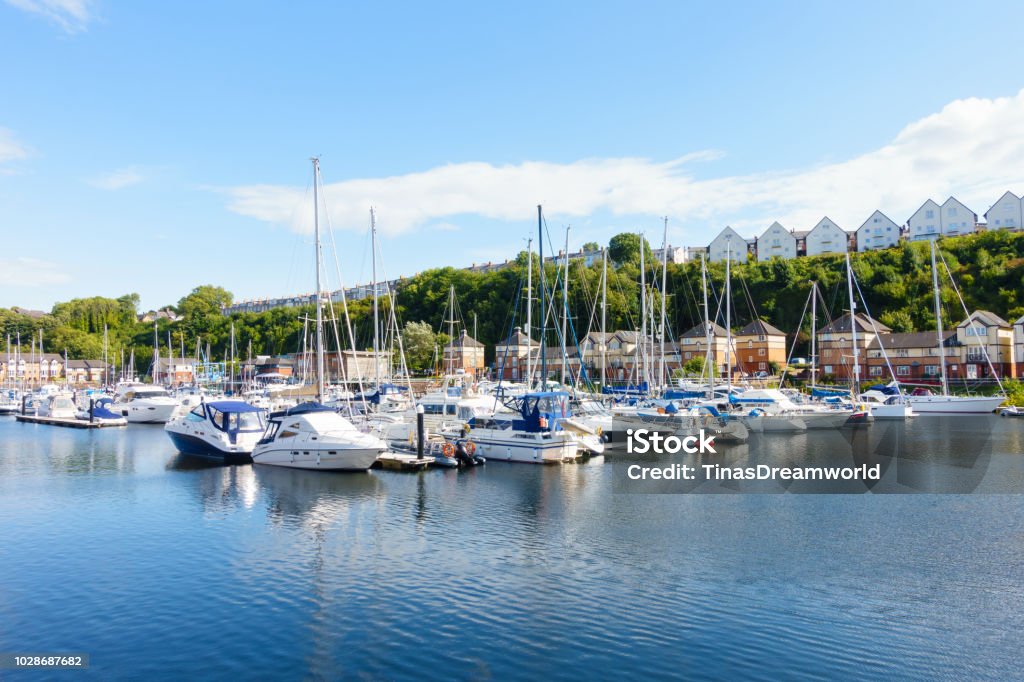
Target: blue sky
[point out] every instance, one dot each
(152, 147)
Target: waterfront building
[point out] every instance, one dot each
(835, 345)
(776, 241)
(87, 372)
(1006, 214)
(758, 345)
(510, 356)
(1018, 347)
(913, 356)
(879, 231)
(986, 334)
(694, 344)
(826, 237)
(464, 353)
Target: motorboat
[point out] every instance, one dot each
(99, 412)
(57, 406)
(144, 403)
(886, 402)
(530, 431)
(314, 436)
(771, 410)
(224, 430)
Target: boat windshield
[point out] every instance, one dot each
(148, 393)
(236, 421)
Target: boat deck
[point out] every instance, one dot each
(402, 462)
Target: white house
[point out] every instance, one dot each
(729, 242)
(776, 241)
(1018, 346)
(878, 232)
(957, 219)
(826, 237)
(925, 223)
(1006, 214)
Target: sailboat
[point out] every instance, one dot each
(946, 403)
(312, 435)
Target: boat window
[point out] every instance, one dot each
(451, 409)
(287, 434)
(250, 421)
(197, 414)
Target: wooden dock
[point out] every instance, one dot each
(61, 421)
(402, 462)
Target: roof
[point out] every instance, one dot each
(864, 324)
(826, 222)
(929, 201)
(233, 406)
(908, 340)
(465, 340)
(700, 331)
(866, 224)
(1017, 198)
(986, 318)
(759, 328)
(800, 234)
(517, 338)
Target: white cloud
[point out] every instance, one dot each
(971, 149)
(119, 179)
(11, 149)
(71, 15)
(30, 272)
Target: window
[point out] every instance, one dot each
(762, 365)
(951, 211)
(929, 215)
(977, 331)
(688, 355)
(902, 370)
(874, 371)
(931, 370)
(760, 351)
(828, 369)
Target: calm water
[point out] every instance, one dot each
(161, 567)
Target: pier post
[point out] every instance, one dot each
(419, 432)
(24, 401)
(92, 407)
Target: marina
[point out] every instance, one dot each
(113, 540)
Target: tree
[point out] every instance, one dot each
(418, 340)
(590, 247)
(624, 249)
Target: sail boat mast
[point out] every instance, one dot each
(855, 386)
(320, 392)
(814, 332)
(529, 311)
(604, 316)
(543, 300)
(938, 321)
(376, 310)
(642, 346)
(565, 307)
(664, 293)
(728, 316)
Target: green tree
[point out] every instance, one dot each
(418, 340)
(624, 249)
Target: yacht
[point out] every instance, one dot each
(102, 413)
(530, 433)
(886, 401)
(144, 403)
(314, 436)
(224, 430)
(771, 410)
(57, 406)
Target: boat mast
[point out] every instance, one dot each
(642, 346)
(320, 392)
(543, 297)
(604, 317)
(664, 291)
(529, 311)
(814, 331)
(451, 330)
(106, 369)
(376, 311)
(709, 356)
(565, 307)
(938, 321)
(855, 386)
(156, 354)
(728, 316)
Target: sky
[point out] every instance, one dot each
(154, 147)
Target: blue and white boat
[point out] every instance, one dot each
(224, 430)
(531, 432)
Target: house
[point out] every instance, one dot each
(913, 356)
(949, 220)
(694, 344)
(694, 253)
(1018, 346)
(729, 244)
(758, 345)
(835, 345)
(879, 231)
(986, 344)
(1006, 214)
(162, 314)
(826, 237)
(464, 353)
(348, 366)
(87, 372)
(776, 241)
(177, 371)
(510, 356)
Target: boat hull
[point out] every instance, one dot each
(145, 413)
(330, 458)
(189, 444)
(951, 404)
(497, 445)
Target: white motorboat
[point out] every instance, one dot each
(771, 410)
(99, 412)
(144, 403)
(887, 402)
(57, 406)
(532, 433)
(313, 436)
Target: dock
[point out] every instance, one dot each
(64, 421)
(401, 462)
